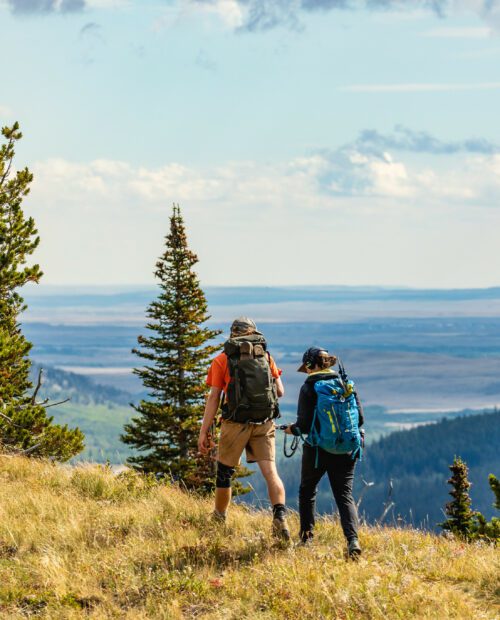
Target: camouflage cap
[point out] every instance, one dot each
(243, 326)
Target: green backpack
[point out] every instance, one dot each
(251, 393)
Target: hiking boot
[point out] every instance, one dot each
(218, 517)
(306, 539)
(353, 549)
(280, 528)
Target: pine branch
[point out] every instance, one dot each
(61, 402)
(38, 386)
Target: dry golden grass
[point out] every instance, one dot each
(84, 543)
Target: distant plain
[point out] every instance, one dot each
(419, 351)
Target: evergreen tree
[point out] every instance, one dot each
(461, 519)
(177, 353)
(495, 487)
(490, 530)
(24, 424)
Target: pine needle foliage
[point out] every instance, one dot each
(177, 354)
(490, 530)
(495, 487)
(24, 424)
(461, 519)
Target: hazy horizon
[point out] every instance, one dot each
(35, 288)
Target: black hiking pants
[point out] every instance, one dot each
(340, 470)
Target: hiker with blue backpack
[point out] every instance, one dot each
(330, 414)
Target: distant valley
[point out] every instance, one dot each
(414, 354)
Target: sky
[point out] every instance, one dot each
(322, 142)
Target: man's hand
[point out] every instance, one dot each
(205, 443)
(288, 430)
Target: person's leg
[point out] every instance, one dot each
(222, 500)
(223, 488)
(261, 449)
(276, 492)
(341, 475)
(309, 478)
(232, 440)
(275, 487)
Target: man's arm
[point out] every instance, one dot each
(211, 408)
(280, 388)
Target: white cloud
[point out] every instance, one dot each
(390, 178)
(104, 220)
(316, 181)
(229, 11)
(263, 15)
(5, 110)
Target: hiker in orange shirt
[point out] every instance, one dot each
(250, 380)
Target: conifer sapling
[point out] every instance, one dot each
(461, 519)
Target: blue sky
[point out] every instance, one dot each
(306, 143)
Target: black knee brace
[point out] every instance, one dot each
(224, 475)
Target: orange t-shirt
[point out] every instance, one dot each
(218, 373)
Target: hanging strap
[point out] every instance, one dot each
(295, 442)
(357, 454)
(293, 446)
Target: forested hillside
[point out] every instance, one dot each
(100, 411)
(60, 384)
(417, 462)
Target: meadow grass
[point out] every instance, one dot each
(82, 542)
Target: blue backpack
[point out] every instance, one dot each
(335, 425)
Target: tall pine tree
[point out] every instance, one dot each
(25, 426)
(177, 355)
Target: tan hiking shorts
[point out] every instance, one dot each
(256, 439)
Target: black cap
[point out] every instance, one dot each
(310, 358)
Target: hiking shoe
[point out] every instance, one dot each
(280, 529)
(306, 539)
(353, 549)
(218, 517)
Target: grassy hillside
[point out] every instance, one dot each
(81, 542)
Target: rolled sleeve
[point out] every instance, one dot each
(275, 371)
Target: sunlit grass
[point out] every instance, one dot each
(82, 542)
